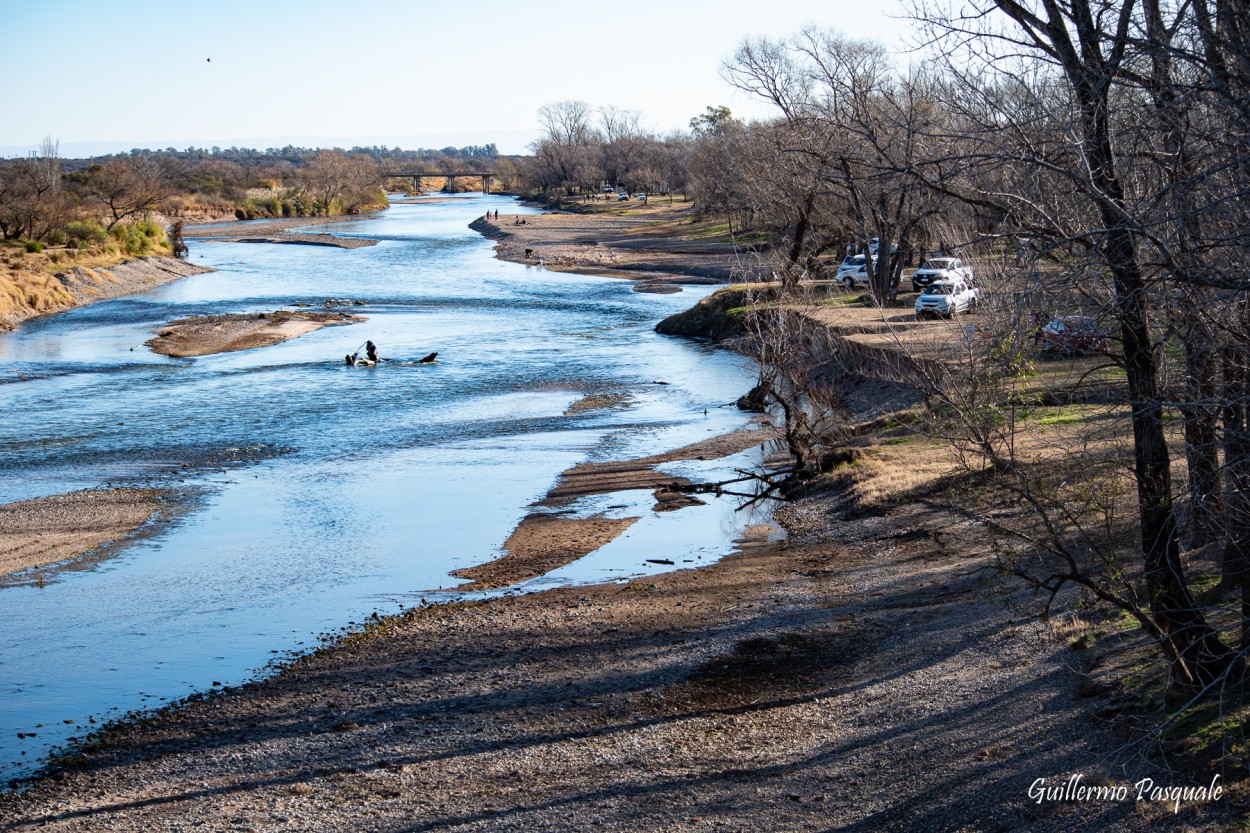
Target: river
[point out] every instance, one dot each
(315, 494)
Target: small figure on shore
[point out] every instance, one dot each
(371, 351)
(516, 221)
(496, 213)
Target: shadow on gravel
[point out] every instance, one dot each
(833, 710)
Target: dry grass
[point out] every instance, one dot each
(898, 465)
(21, 291)
(28, 283)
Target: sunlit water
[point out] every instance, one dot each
(319, 493)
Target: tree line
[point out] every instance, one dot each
(45, 199)
(1090, 157)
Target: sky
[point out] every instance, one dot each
(101, 77)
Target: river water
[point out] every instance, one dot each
(316, 494)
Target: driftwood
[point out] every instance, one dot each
(769, 478)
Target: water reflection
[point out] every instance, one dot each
(323, 492)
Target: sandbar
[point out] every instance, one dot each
(57, 528)
(544, 540)
(210, 334)
(279, 230)
(540, 544)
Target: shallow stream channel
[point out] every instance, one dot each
(310, 495)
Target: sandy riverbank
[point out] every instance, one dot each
(279, 230)
(227, 333)
(651, 244)
(55, 529)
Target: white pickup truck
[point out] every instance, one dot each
(947, 298)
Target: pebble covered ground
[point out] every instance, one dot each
(859, 678)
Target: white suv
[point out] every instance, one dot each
(939, 269)
(947, 298)
(853, 270)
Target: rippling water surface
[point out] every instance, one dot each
(318, 493)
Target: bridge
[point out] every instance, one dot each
(417, 176)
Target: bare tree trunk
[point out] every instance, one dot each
(790, 277)
(1236, 556)
(1202, 437)
(1199, 655)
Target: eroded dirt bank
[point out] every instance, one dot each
(83, 285)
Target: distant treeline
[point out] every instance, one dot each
(296, 155)
(42, 195)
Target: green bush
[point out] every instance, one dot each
(129, 239)
(57, 237)
(139, 238)
(34, 246)
(85, 233)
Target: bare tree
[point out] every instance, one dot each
(860, 132)
(1061, 66)
(32, 202)
(335, 178)
(129, 186)
(564, 155)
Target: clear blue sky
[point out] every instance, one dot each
(407, 72)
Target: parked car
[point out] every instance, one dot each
(940, 269)
(642, 197)
(947, 298)
(607, 189)
(1075, 335)
(621, 197)
(853, 270)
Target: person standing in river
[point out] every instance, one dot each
(371, 352)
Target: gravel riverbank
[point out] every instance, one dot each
(858, 679)
(279, 230)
